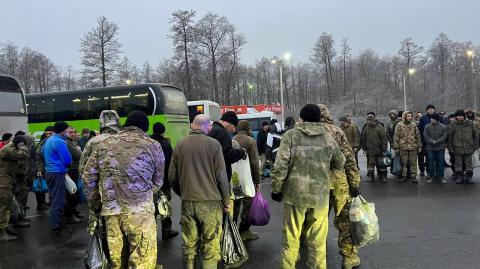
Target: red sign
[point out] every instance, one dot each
(236, 109)
(273, 108)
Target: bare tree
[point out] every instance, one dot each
(147, 72)
(323, 53)
(101, 49)
(441, 54)
(10, 59)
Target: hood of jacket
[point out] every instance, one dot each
(311, 128)
(404, 116)
(325, 115)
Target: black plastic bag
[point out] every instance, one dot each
(234, 253)
(96, 256)
(396, 166)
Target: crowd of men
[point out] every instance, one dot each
(315, 170)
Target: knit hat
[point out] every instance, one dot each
(18, 133)
(60, 127)
(370, 117)
(49, 129)
(137, 119)
(371, 113)
(435, 116)
(6, 136)
(158, 128)
(310, 113)
(230, 117)
(430, 106)
(109, 118)
(400, 114)
(243, 126)
(344, 119)
(460, 112)
(264, 123)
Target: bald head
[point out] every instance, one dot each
(201, 121)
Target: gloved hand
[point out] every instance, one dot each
(354, 192)
(19, 139)
(277, 197)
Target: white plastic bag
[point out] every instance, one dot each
(242, 182)
(70, 185)
(476, 159)
(364, 228)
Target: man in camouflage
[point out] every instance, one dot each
(125, 171)
(374, 144)
(10, 155)
(198, 175)
(462, 141)
(344, 185)
(352, 134)
(305, 159)
(391, 124)
(23, 179)
(407, 142)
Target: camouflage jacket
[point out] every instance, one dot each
(374, 139)
(9, 158)
(407, 136)
(353, 135)
(26, 167)
(306, 155)
(462, 137)
(92, 145)
(125, 170)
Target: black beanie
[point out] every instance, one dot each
(49, 129)
(264, 123)
(60, 126)
(430, 106)
(230, 117)
(435, 116)
(158, 128)
(460, 112)
(400, 114)
(18, 133)
(371, 113)
(138, 119)
(6, 136)
(310, 113)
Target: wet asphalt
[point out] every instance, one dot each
(424, 226)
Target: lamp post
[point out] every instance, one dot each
(470, 56)
(410, 72)
(287, 56)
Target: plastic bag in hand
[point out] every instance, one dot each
(396, 166)
(70, 184)
(242, 182)
(364, 222)
(39, 185)
(234, 253)
(96, 256)
(163, 207)
(260, 211)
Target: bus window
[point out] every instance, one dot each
(174, 101)
(133, 100)
(193, 111)
(44, 110)
(11, 102)
(214, 113)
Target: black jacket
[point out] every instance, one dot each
(167, 152)
(230, 154)
(262, 142)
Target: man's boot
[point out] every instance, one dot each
(370, 176)
(350, 263)
(11, 231)
(414, 179)
(188, 264)
(384, 176)
(169, 234)
(459, 177)
(469, 177)
(210, 265)
(249, 235)
(4, 236)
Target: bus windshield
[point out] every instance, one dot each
(175, 101)
(11, 102)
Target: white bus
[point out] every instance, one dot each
(13, 111)
(206, 107)
(255, 120)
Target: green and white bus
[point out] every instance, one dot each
(81, 108)
(13, 112)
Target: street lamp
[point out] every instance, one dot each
(470, 55)
(410, 72)
(287, 56)
(128, 82)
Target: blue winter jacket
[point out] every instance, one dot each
(56, 155)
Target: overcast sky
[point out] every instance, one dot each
(271, 27)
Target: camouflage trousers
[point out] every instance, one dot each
(202, 222)
(132, 240)
(343, 225)
(314, 223)
(21, 190)
(372, 163)
(409, 162)
(6, 204)
(244, 204)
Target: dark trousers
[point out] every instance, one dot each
(41, 198)
(422, 160)
(436, 163)
(56, 186)
(72, 199)
(246, 204)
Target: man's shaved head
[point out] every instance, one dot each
(201, 121)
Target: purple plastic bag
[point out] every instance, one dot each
(260, 211)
